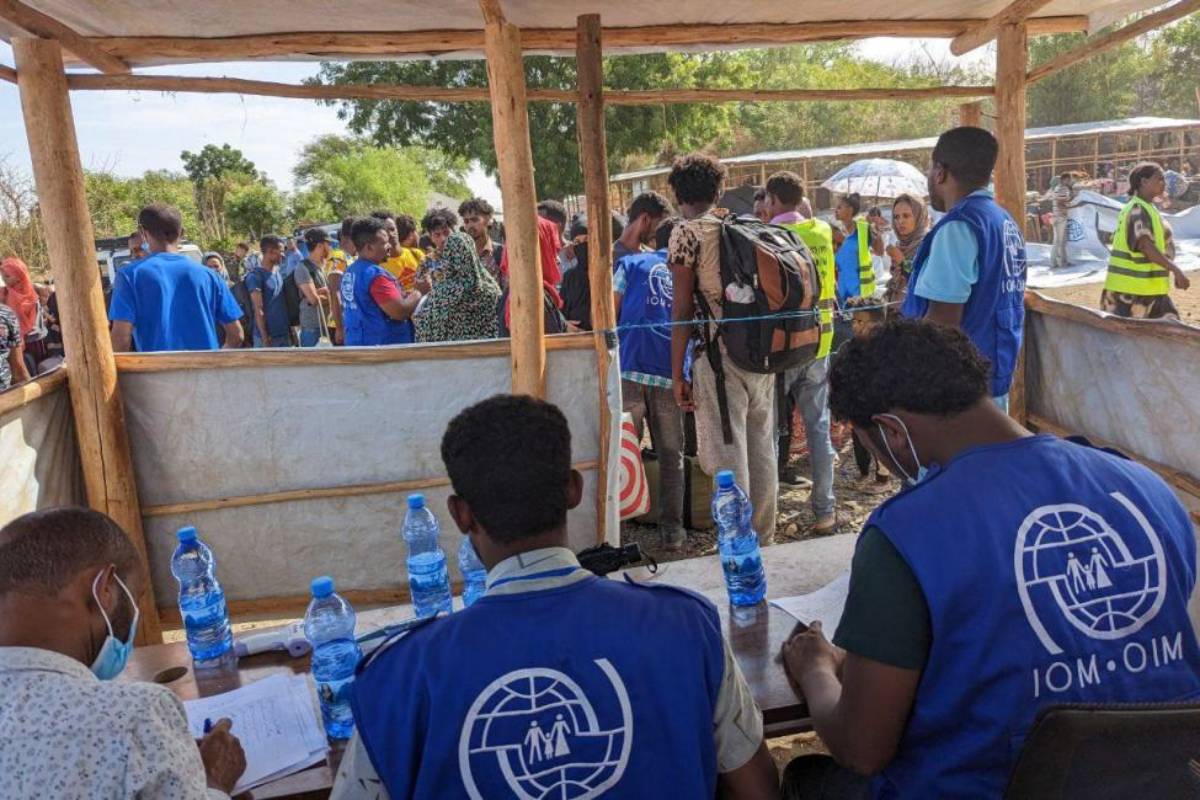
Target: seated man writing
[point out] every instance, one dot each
(69, 579)
(556, 680)
(1016, 571)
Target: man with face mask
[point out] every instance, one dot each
(1011, 561)
(969, 271)
(69, 582)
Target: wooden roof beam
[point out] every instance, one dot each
(623, 97)
(980, 34)
(1098, 44)
(46, 27)
(141, 50)
(7, 73)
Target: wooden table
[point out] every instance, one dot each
(755, 634)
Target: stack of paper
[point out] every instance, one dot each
(275, 721)
(825, 605)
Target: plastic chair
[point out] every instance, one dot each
(1095, 752)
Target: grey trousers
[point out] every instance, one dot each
(751, 456)
(656, 406)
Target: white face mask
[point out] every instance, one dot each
(922, 472)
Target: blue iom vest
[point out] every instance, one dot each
(1068, 585)
(365, 322)
(595, 688)
(994, 314)
(647, 299)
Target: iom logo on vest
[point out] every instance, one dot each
(662, 294)
(1014, 258)
(1107, 584)
(537, 733)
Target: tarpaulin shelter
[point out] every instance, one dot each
(144, 443)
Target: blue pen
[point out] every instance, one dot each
(207, 725)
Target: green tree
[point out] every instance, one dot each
(1175, 70)
(309, 207)
(256, 209)
(115, 202)
(369, 177)
(214, 162)
(216, 173)
(1105, 86)
(446, 173)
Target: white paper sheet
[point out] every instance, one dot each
(275, 721)
(825, 604)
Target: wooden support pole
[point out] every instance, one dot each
(95, 395)
(1011, 57)
(981, 33)
(593, 156)
(971, 114)
(36, 23)
(1098, 44)
(514, 154)
(7, 73)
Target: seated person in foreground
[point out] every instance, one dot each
(555, 679)
(69, 579)
(1016, 572)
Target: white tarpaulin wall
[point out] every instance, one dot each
(1139, 392)
(39, 461)
(219, 432)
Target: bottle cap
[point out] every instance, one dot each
(416, 501)
(187, 534)
(725, 479)
(322, 586)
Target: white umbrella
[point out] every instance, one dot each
(878, 177)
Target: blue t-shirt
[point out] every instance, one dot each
(172, 302)
(952, 269)
(270, 283)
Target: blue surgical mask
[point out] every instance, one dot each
(922, 471)
(114, 654)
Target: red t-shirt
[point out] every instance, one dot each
(384, 289)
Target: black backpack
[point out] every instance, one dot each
(291, 296)
(766, 271)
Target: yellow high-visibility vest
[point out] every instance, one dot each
(866, 270)
(1129, 271)
(818, 235)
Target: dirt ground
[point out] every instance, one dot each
(1088, 295)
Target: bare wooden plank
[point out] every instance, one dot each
(981, 33)
(593, 155)
(107, 463)
(42, 25)
(1170, 329)
(466, 94)
(24, 394)
(1107, 41)
(320, 493)
(7, 73)
(147, 50)
(296, 357)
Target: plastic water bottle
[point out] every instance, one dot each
(473, 571)
(201, 601)
(738, 542)
(329, 626)
(428, 578)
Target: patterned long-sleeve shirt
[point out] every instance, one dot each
(65, 734)
(10, 339)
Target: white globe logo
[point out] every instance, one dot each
(538, 730)
(662, 293)
(1107, 584)
(1014, 250)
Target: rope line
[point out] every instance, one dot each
(843, 312)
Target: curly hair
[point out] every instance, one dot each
(477, 206)
(915, 365)
(787, 187)
(438, 218)
(509, 458)
(697, 178)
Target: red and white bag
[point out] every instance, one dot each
(634, 496)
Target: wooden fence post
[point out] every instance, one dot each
(95, 393)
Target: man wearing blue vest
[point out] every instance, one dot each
(556, 683)
(1015, 572)
(643, 296)
(970, 270)
(375, 310)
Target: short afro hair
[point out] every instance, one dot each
(476, 206)
(913, 365)
(651, 203)
(696, 178)
(967, 153)
(43, 550)
(509, 458)
(405, 226)
(438, 218)
(365, 229)
(787, 187)
(383, 214)
(161, 221)
(854, 200)
(554, 211)
(270, 242)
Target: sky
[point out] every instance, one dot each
(129, 133)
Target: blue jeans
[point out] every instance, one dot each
(809, 391)
(309, 338)
(276, 341)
